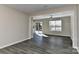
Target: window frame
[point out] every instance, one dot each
(55, 26)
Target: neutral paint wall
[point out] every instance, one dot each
(78, 25)
(13, 26)
(74, 26)
(66, 27)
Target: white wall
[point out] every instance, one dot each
(66, 27)
(30, 27)
(74, 26)
(78, 25)
(13, 26)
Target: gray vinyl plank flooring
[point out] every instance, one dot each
(30, 47)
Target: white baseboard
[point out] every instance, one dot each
(77, 48)
(14, 43)
(28, 38)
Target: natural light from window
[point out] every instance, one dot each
(55, 25)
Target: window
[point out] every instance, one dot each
(55, 25)
(39, 26)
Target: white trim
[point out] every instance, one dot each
(77, 48)
(14, 43)
(29, 38)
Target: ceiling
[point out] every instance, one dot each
(32, 8)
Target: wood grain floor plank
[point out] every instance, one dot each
(29, 47)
